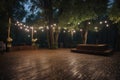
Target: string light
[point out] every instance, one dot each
(31, 27)
(68, 22)
(27, 28)
(74, 31)
(89, 22)
(59, 28)
(20, 27)
(28, 35)
(17, 22)
(107, 25)
(65, 28)
(101, 22)
(24, 26)
(35, 31)
(21, 24)
(81, 30)
(64, 31)
(40, 27)
(47, 28)
(105, 21)
(42, 30)
(51, 25)
(54, 24)
(53, 28)
(95, 28)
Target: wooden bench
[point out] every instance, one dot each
(93, 49)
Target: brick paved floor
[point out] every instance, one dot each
(58, 64)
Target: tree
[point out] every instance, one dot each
(81, 11)
(8, 10)
(68, 14)
(49, 15)
(114, 15)
(18, 10)
(6, 7)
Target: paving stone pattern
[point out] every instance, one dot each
(59, 64)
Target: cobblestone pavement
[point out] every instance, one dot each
(60, 64)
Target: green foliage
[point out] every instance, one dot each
(8, 9)
(78, 11)
(12, 8)
(114, 13)
(19, 11)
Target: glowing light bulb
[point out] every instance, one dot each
(51, 25)
(28, 35)
(89, 22)
(101, 22)
(65, 28)
(107, 25)
(21, 24)
(59, 28)
(47, 28)
(54, 24)
(95, 28)
(81, 30)
(41, 27)
(53, 28)
(28, 30)
(17, 22)
(64, 31)
(74, 31)
(42, 30)
(21, 28)
(35, 31)
(105, 21)
(31, 27)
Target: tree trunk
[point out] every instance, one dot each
(85, 35)
(49, 18)
(56, 37)
(72, 35)
(51, 37)
(9, 39)
(85, 32)
(48, 40)
(9, 26)
(117, 37)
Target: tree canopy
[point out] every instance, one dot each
(77, 11)
(70, 14)
(114, 12)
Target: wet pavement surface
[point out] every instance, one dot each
(60, 64)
